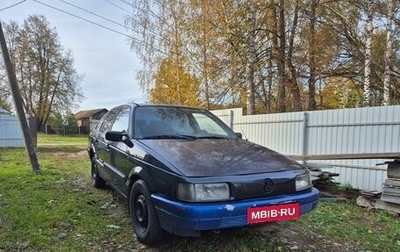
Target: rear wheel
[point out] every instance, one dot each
(144, 218)
(97, 181)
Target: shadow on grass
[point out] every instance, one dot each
(60, 149)
(233, 239)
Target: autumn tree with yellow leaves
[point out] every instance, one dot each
(268, 56)
(174, 86)
(340, 93)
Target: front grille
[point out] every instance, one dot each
(264, 185)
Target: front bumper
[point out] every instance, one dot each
(189, 219)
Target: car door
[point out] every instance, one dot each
(101, 145)
(118, 151)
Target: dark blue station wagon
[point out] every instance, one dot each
(183, 171)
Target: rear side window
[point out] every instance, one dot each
(207, 124)
(121, 122)
(109, 119)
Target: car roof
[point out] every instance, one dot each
(161, 105)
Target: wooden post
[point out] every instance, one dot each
(29, 145)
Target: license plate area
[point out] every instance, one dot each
(273, 213)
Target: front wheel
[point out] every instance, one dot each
(144, 218)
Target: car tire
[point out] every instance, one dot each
(144, 218)
(97, 181)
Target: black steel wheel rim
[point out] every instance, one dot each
(141, 212)
(94, 172)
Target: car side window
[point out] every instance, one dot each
(97, 126)
(109, 119)
(121, 122)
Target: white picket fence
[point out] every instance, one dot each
(327, 132)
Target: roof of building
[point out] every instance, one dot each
(88, 113)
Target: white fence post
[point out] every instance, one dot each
(231, 119)
(305, 135)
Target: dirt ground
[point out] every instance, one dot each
(300, 238)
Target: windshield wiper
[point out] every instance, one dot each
(172, 136)
(213, 137)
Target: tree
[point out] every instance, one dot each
(281, 46)
(45, 72)
(312, 105)
(388, 53)
(294, 87)
(202, 58)
(368, 52)
(161, 27)
(171, 89)
(340, 93)
(4, 94)
(271, 56)
(63, 124)
(251, 57)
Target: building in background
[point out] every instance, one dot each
(10, 130)
(86, 119)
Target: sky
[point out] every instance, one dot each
(103, 57)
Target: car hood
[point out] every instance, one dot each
(218, 157)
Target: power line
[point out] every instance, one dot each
(95, 14)
(5, 8)
(119, 7)
(87, 20)
(125, 2)
(107, 19)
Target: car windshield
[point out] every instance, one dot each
(163, 122)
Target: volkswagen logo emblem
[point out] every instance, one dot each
(268, 185)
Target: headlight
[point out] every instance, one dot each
(303, 181)
(203, 192)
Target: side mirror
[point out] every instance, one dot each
(118, 136)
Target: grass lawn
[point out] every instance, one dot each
(58, 210)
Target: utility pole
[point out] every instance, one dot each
(29, 145)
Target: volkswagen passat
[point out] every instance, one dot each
(183, 171)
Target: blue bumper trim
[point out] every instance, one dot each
(188, 219)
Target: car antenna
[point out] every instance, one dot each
(244, 134)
